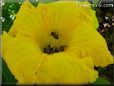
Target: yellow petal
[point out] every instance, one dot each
(62, 16)
(32, 66)
(61, 68)
(29, 23)
(23, 17)
(25, 21)
(22, 55)
(88, 42)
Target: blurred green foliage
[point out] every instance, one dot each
(7, 77)
(9, 11)
(101, 81)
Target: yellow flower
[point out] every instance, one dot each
(55, 43)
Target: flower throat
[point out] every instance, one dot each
(49, 49)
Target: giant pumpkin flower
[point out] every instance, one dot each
(55, 43)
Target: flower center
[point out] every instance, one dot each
(49, 49)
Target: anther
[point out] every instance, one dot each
(54, 35)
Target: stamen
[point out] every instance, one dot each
(55, 35)
(56, 49)
(50, 50)
(62, 48)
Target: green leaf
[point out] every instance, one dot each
(6, 74)
(95, 2)
(46, 1)
(7, 11)
(101, 81)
